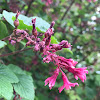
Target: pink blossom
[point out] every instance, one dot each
(51, 80)
(73, 62)
(47, 59)
(69, 65)
(49, 32)
(36, 47)
(13, 42)
(48, 40)
(65, 44)
(81, 73)
(62, 44)
(52, 24)
(33, 20)
(55, 47)
(67, 62)
(66, 84)
(78, 72)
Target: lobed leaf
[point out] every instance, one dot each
(25, 86)
(6, 78)
(25, 22)
(2, 44)
(3, 30)
(6, 89)
(15, 69)
(54, 40)
(7, 74)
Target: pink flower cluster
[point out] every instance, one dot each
(48, 51)
(64, 64)
(47, 2)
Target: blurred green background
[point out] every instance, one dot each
(77, 21)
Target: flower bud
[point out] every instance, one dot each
(37, 47)
(52, 24)
(47, 42)
(34, 32)
(42, 46)
(56, 47)
(12, 42)
(16, 23)
(65, 44)
(28, 43)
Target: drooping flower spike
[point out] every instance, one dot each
(66, 84)
(48, 51)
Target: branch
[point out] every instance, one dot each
(67, 9)
(19, 51)
(6, 38)
(29, 6)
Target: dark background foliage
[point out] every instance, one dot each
(77, 21)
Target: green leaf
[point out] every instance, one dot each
(25, 86)
(7, 74)
(68, 52)
(1, 16)
(54, 40)
(6, 89)
(23, 43)
(3, 30)
(6, 78)
(16, 69)
(2, 44)
(97, 80)
(90, 92)
(25, 22)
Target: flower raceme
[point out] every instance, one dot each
(67, 64)
(48, 51)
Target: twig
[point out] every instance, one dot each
(6, 38)
(29, 6)
(19, 51)
(67, 9)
